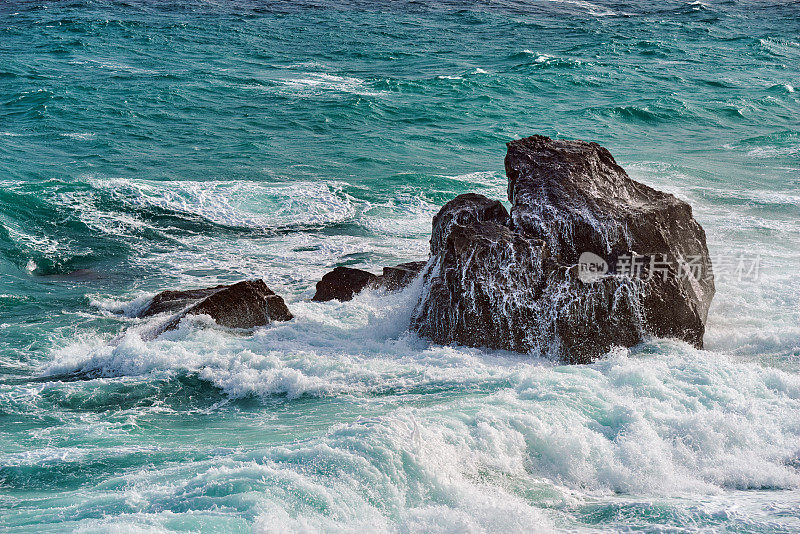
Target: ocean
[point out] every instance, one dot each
(160, 144)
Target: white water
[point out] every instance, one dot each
(446, 439)
(364, 427)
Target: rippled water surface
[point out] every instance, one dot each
(152, 144)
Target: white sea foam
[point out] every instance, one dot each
(773, 152)
(37, 245)
(115, 307)
(590, 8)
(666, 420)
(507, 443)
(315, 83)
(408, 215)
(80, 136)
(113, 66)
(489, 181)
(239, 203)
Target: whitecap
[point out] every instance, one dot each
(240, 203)
(79, 136)
(314, 83)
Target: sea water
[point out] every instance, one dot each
(149, 145)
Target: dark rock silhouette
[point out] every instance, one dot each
(513, 281)
(79, 275)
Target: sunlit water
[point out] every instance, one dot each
(183, 144)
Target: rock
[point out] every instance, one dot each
(464, 300)
(173, 301)
(512, 282)
(400, 276)
(343, 283)
(574, 195)
(246, 304)
(465, 210)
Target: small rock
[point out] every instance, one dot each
(246, 304)
(343, 283)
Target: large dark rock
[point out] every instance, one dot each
(575, 196)
(512, 282)
(243, 305)
(246, 304)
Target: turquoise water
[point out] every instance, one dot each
(154, 144)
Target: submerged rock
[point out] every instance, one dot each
(79, 275)
(513, 281)
(246, 304)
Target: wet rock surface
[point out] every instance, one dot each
(173, 301)
(512, 280)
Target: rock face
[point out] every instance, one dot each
(246, 304)
(513, 281)
(343, 283)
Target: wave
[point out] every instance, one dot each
(61, 226)
(780, 144)
(237, 204)
(535, 60)
(660, 418)
(319, 83)
(509, 443)
(646, 114)
(42, 237)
